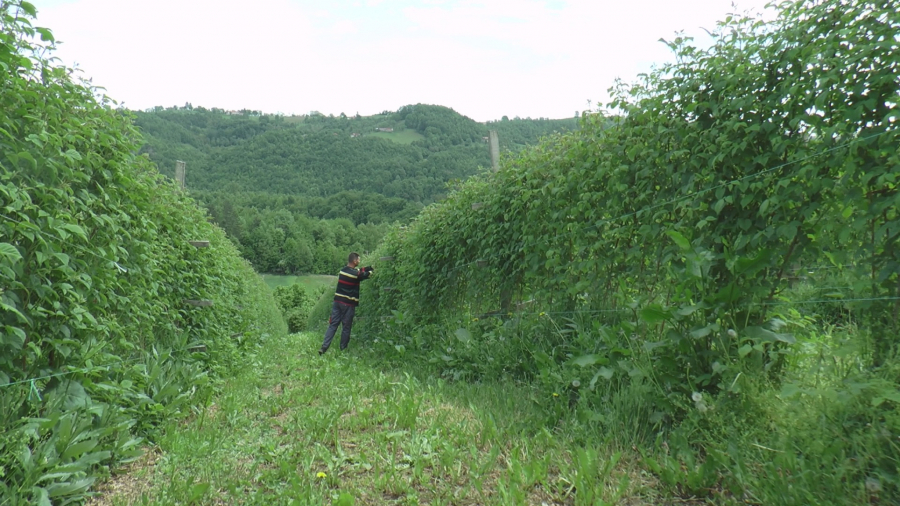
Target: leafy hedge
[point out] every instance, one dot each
(723, 172)
(651, 254)
(98, 342)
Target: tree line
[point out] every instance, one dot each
(294, 192)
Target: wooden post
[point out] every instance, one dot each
(179, 172)
(495, 150)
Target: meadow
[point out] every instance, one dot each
(311, 282)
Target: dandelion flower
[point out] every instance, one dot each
(555, 394)
(320, 474)
(542, 314)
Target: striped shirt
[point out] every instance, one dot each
(348, 285)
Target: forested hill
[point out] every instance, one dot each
(409, 154)
(296, 193)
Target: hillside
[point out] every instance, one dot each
(411, 153)
(297, 193)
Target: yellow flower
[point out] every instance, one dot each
(555, 394)
(474, 319)
(320, 474)
(542, 314)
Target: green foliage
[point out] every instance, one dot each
(655, 250)
(296, 303)
(276, 234)
(321, 312)
(322, 156)
(98, 345)
(249, 168)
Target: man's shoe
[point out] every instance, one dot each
(321, 352)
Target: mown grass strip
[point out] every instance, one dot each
(296, 428)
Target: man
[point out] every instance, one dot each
(346, 298)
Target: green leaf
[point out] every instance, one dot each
(605, 373)
(79, 448)
(893, 396)
(70, 393)
(69, 488)
(680, 240)
(28, 8)
(9, 251)
(688, 310)
(789, 390)
(703, 331)
(46, 34)
(197, 491)
(463, 335)
(586, 360)
(765, 335)
(15, 337)
(654, 313)
(75, 229)
(344, 499)
(40, 496)
(750, 266)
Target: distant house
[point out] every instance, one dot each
(354, 134)
(388, 129)
(486, 139)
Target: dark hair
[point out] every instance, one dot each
(352, 257)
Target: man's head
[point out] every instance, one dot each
(353, 259)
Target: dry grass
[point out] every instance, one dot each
(128, 484)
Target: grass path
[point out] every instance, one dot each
(296, 428)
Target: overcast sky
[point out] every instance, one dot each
(483, 58)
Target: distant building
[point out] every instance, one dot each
(354, 134)
(388, 129)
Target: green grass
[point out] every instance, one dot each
(311, 282)
(401, 137)
(297, 428)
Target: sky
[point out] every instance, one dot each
(483, 58)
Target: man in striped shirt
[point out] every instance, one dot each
(346, 298)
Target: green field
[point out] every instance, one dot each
(311, 282)
(401, 137)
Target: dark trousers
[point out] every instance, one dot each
(341, 314)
